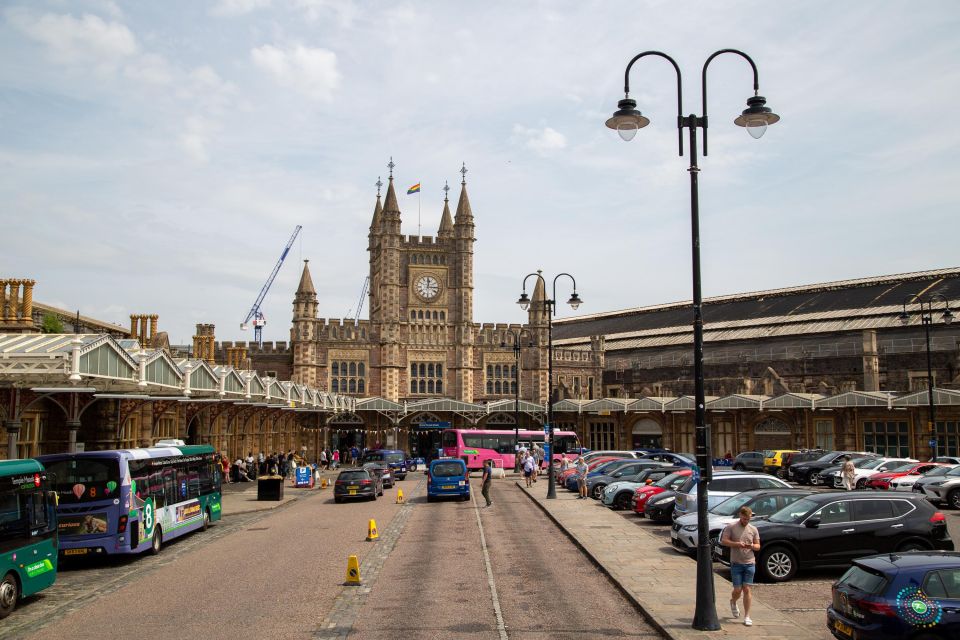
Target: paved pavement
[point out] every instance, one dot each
(241, 497)
(658, 580)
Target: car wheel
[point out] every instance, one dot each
(778, 564)
(739, 467)
(157, 541)
(862, 483)
(953, 498)
(9, 594)
(206, 520)
(815, 479)
(598, 491)
(913, 545)
(623, 500)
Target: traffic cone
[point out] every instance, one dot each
(399, 496)
(353, 572)
(323, 484)
(372, 530)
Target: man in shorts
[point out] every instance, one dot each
(582, 478)
(744, 541)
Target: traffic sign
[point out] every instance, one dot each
(932, 442)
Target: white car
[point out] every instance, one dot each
(946, 490)
(906, 483)
(867, 469)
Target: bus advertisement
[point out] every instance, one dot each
(475, 446)
(133, 500)
(28, 532)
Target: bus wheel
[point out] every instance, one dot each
(157, 541)
(9, 594)
(206, 519)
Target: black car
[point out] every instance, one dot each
(807, 472)
(394, 458)
(381, 469)
(659, 508)
(748, 461)
(804, 455)
(831, 529)
(357, 483)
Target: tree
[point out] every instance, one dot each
(51, 324)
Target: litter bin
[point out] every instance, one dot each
(270, 488)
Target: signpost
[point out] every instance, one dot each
(444, 424)
(304, 477)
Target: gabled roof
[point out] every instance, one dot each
(686, 403)
(858, 399)
(793, 401)
(738, 401)
(941, 397)
(162, 370)
(507, 406)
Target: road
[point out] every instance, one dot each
(438, 570)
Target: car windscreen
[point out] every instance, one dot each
(934, 472)
(871, 463)
(395, 457)
(903, 467)
(85, 479)
(768, 453)
(732, 505)
(372, 457)
(863, 580)
(353, 476)
(667, 480)
(447, 469)
(795, 512)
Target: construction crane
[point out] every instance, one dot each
(363, 295)
(255, 315)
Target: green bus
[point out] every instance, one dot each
(28, 532)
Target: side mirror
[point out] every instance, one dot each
(812, 522)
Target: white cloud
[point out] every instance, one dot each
(238, 7)
(310, 71)
(541, 140)
(149, 68)
(196, 137)
(70, 40)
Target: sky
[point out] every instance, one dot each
(155, 157)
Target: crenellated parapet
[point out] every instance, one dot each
(342, 329)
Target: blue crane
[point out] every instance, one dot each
(255, 314)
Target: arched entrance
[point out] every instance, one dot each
(347, 430)
(647, 434)
(425, 441)
(772, 433)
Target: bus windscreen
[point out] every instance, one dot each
(84, 479)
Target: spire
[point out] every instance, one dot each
(539, 294)
(306, 282)
(377, 210)
(464, 213)
(446, 221)
(537, 313)
(390, 204)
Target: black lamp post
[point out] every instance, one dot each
(926, 318)
(551, 308)
(516, 392)
(755, 118)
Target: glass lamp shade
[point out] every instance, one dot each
(904, 318)
(524, 301)
(626, 120)
(756, 117)
(574, 301)
(947, 316)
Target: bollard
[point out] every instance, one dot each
(353, 572)
(399, 496)
(372, 530)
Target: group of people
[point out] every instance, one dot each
(249, 468)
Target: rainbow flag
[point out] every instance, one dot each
(414, 189)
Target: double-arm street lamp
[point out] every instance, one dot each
(626, 121)
(926, 318)
(550, 306)
(517, 334)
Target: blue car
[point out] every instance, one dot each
(606, 468)
(447, 477)
(394, 458)
(893, 596)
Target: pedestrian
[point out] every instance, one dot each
(336, 458)
(528, 470)
(485, 480)
(225, 465)
(581, 478)
(323, 459)
(849, 473)
(744, 541)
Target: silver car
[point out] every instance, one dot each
(725, 484)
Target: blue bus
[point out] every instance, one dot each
(133, 500)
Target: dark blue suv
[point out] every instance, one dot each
(394, 458)
(893, 596)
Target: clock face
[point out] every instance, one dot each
(427, 287)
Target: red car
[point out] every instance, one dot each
(668, 483)
(882, 480)
(562, 476)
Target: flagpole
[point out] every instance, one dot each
(419, 191)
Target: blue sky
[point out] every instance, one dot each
(155, 157)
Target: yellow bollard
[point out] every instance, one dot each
(353, 572)
(399, 496)
(372, 530)
(323, 484)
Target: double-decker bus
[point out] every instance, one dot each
(28, 532)
(475, 446)
(133, 500)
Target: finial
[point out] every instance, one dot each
(464, 172)
(390, 166)
(446, 190)
(379, 184)
(306, 261)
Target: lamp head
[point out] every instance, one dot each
(626, 120)
(524, 301)
(503, 344)
(904, 318)
(947, 316)
(756, 117)
(574, 301)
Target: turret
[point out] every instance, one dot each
(446, 220)
(305, 300)
(537, 314)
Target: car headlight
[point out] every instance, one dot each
(801, 469)
(936, 484)
(662, 501)
(689, 527)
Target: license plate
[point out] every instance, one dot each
(352, 492)
(353, 487)
(76, 552)
(448, 486)
(843, 628)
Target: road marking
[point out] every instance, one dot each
(501, 627)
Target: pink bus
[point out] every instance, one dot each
(474, 446)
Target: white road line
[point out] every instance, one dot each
(501, 627)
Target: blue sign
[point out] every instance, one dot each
(303, 476)
(546, 429)
(932, 442)
(433, 425)
(546, 452)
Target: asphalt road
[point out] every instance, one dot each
(279, 573)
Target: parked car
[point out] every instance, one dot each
(831, 529)
(725, 484)
(920, 486)
(866, 470)
(599, 479)
(763, 503)
(562, 477)
(383, 470)
(448, 477)
(603, 468)
(748, 461)
(619, 494)
(667, 483)
(893, 597)
(803, 455)
(907, 483)
(946, 489)
(948, 459)
(666, 457)
(357, 483)
(773, 460)
(825, 476)
(610, 454)
(916, 469)
(804, 471)
(394, 458)
(660, 507)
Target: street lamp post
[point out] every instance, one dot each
(926, 319)
(550, 306)
(516, 392)
(755, 118)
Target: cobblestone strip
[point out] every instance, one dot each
(346, 607)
